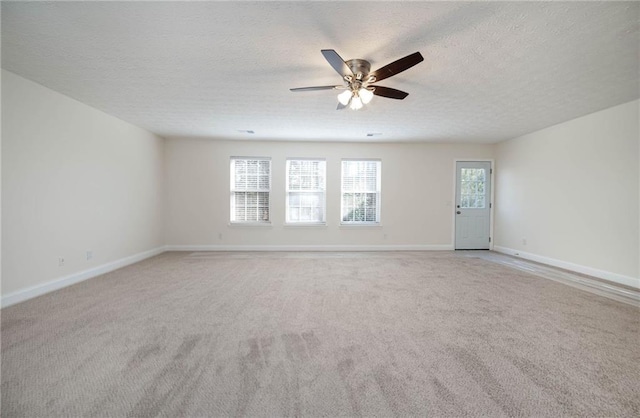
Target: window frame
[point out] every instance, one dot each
(258, 189)
(378, 192)
(289, 192)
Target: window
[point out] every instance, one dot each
(250, 189)
(360, 191)
(472, 184)
(306, 191)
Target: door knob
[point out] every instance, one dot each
(458, 212)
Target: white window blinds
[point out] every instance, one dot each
(250, 189)
(306, 191)
(360, 191)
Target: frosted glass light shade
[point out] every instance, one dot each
(344, 97)
(356, 103)
(365, 95)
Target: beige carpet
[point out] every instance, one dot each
(320, 334)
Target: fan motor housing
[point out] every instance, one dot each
(359, 66)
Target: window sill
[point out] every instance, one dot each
(305, 225)
(250, 224)
(363, 225)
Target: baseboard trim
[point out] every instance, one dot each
(444, 247)
(601, 274)
(41, 289)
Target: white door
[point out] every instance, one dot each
(473, 205)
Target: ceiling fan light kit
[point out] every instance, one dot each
(358, 87)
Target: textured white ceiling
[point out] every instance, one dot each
(492, 70)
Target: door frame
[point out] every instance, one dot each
(492, 197)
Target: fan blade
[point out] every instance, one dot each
(397, 66)
(340, 106)
(316, 88)
(336, 62)
(389, 92)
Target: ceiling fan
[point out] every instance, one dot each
(359, 86)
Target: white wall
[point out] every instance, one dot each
(571, 191)
(0, 183)
(417, 194)
(73, 179)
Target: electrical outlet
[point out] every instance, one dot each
(220, 235)
(60, 261)
(89, 255)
